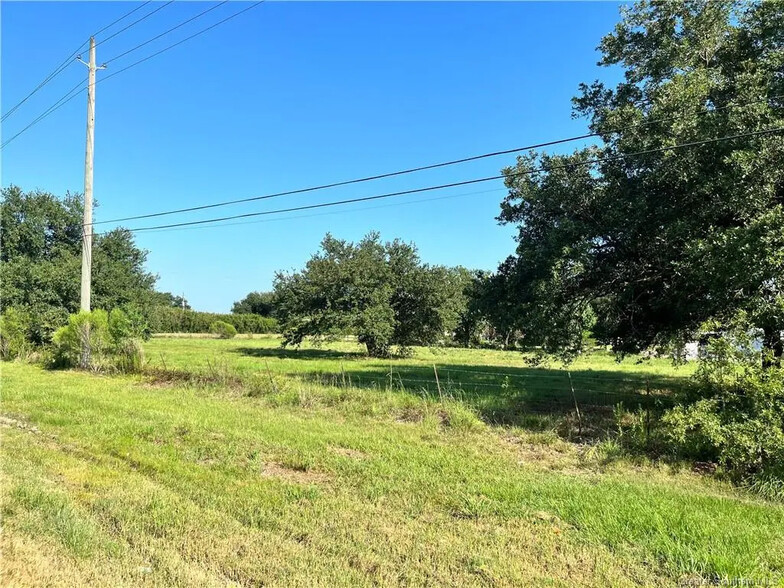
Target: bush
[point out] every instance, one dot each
(736, 412)
(128, 322)
(69, 341)
(14, 327)
(110, 337)
(129, 356)
(223, 330)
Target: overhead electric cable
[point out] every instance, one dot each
(174, 28)
(65, 99)
(413, 169)
(180, 42)
(123, 17)
(302, 216)
(68, 60)
(467, 182)
(134, 23)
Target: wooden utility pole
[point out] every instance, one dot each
(87, 223)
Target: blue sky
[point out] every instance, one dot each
(294, 94)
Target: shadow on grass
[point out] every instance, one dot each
(306, 354)
(531, 397)
(528, 397)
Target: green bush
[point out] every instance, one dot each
(90, 328)
(128, 356)
(14, 327)
(111, 339)
(223, 330)
(735, 412)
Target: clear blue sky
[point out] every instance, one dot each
(292, 94)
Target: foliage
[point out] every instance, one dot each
(223, 330)
(112, 340)
(128, 355)
(170, 300)
(650, 246)
(261, 303)
(380, 292)
(736, 413)
(14, 330)
(40, 261)
(85, 330)
(164, 319)
(493, 308)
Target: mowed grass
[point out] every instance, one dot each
(127, 480)
(502, 386)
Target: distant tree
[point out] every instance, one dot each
(40, 261)
(494, 302)
(170, 300)
(261, 303)
(658, 243)
(380, 292)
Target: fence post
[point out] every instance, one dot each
(647, 412)
(576, 407)
(438, 384)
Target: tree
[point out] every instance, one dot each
(169, 300)
(380, 292)
(655, 244)
(261, 303)
(41, 259)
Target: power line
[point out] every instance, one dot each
(68, 60)
(465, 182)
(174, 28)
(302, 216)
(418, 169)
(134, 23)
(66, 98)
(173, 45)
(123, 17)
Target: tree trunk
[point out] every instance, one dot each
(376, 348)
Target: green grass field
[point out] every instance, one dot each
(237, 463)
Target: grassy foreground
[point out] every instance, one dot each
(127, 480)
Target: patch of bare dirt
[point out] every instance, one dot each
(12, 423)
(281, 472)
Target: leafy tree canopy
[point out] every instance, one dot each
(380, 292)
(656, 244)
(40, 263)
(261, 303)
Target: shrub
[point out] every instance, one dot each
(223, 330)
(110, 337)
(14, 327)
(735, 415)
(129, 356)
(69, 341)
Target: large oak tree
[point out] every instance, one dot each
(380, 292)
(655, 244)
